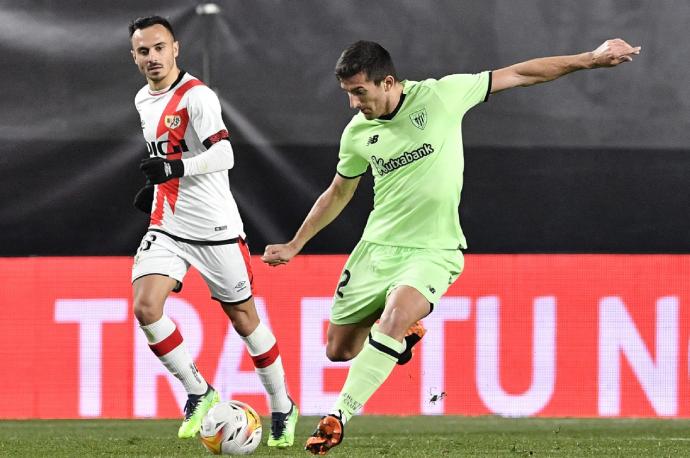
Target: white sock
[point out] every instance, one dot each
(166, 342)
(263, 349)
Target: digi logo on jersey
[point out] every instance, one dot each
(161, 147)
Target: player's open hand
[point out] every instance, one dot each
(614, 52)
(275, 255)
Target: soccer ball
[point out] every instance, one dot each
(231, 428)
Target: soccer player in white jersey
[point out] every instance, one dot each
(409, 134)
(194, 221)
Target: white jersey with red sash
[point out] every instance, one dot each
(182, 122)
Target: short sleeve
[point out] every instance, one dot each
(461, 92)
(205, 116)
(350, 164)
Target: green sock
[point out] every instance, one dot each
(368, 372)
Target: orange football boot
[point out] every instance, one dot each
(328, 433)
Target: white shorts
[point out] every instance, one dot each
(225, 267)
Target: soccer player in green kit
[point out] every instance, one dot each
(409, 134)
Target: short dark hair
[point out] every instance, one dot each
(368, 57)
(148, 21)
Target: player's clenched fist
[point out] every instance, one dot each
(275, 255)
(159, 170)
(614, 52)
(144, 199)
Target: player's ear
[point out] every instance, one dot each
(176, 48)
(388, 83)
(134, 55)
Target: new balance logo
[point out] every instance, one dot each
(373, 139)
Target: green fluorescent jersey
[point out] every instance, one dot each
(417, 162)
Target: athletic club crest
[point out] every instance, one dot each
(172, 121)
(419, 118)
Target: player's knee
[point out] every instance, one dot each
(395, 321)
(243, 317)
(243, 323)
(339, 354)
(146, 310)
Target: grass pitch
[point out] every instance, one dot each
(369, 436)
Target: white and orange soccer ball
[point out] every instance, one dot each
(231, 428)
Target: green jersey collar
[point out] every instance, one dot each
(392, 114)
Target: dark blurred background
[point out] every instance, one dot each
(595, 162)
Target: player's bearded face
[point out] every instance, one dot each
(366, 96)
(154, 51)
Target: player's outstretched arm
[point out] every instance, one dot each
(609, 54)
(326, 208)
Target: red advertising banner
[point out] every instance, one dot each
(516, 335)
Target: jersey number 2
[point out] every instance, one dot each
(343, 283)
